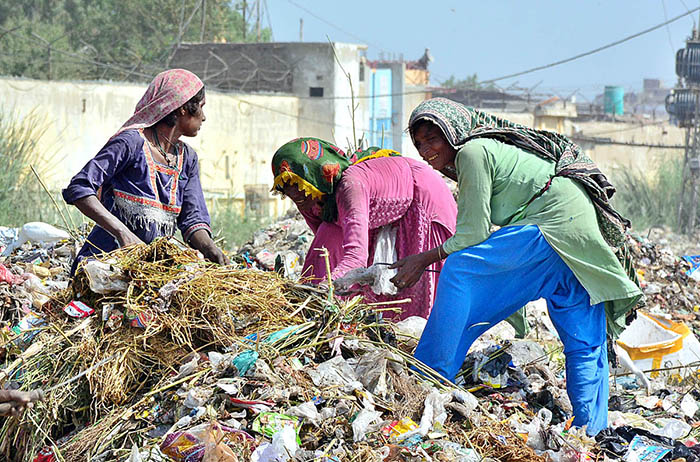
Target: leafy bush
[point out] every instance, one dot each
(230, 225)
(650, 198)
(22, 198)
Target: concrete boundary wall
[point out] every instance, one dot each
(240, 135)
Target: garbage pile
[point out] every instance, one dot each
(153, 354)
(282, 246)
(669, 281)
(37, 259)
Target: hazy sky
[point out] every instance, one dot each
(496, 38)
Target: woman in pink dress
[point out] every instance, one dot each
(348, 199)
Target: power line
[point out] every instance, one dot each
(626, 143)
(320, 122)
(334, 26)
(596, 50)
(546, 66)
(635, 127)
(668, 29)
(610, 45)
(686, 8)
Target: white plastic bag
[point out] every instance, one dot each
(335, 372)
(36, 231)
(361, 424)
(103, 278)
(672, 428)
(385, 252)
(307, 411)
(283, 447)
(410, 329)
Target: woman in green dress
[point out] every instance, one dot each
(557, 228)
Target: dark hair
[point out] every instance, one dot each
(191, 106)
(419, 123)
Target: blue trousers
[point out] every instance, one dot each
(490, 281)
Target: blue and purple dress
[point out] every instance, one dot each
(150, 198)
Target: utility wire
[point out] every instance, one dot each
(634, 127)
(316, 121)
(528, 71)
(668, 29)
(625, 143)
(334, 26)
(596, 50)
(547, 66)
(692, 18)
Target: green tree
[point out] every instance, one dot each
(112, 39)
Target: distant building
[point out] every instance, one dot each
(384, 91)
(551, 114)
(395, 88)
(484, 98)
(310, 71)
(650, 102)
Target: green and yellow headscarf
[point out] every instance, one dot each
(315, 167)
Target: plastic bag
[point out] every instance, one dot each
(104, 279)
(288, 264)
(362, 421)
(307, 411)
(689, 406)
(271, 423)
(135, 455)
(8, 276)
(335, 372)
(466, 398)
(434, 415)
(214, 449)
(377, 275)
(672, 428)
(410, 330)
(187, 368)
(385, 252)
(283, 447)
(7, 236)
(536, 430)
(244, 361)
(201, 443)
(37, 290)
(371, 371)
(36, 232)
(27, 328)
(643, 450)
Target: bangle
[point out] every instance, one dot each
(439, 252)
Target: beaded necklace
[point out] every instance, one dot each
(162, 151)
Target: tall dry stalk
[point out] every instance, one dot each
(355, 144)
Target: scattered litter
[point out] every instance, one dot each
(240, 363)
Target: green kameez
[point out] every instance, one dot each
(496, 182)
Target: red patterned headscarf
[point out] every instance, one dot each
(168, 91)
(315, 167)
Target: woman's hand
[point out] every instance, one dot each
(216, 255)
(410, 270)
(202, 241)
(92, 208)
(13, 402)
(127, 238)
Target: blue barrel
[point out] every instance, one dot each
(613, 100)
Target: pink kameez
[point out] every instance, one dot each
(403, 192)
